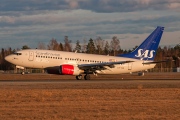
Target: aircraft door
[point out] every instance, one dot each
(31, 56)
(129, 66)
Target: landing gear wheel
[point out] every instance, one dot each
(22, 73)
(78, 77)
(141, 73)
(87, 77)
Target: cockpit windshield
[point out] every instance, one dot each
(17, 53)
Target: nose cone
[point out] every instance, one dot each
(8, 58)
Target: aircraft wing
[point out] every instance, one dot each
(100, 66)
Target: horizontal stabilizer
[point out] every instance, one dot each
(155, 62)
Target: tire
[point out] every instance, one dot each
(87, 77)
(141, 73)
(78, 77)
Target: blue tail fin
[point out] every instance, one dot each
(147, 50)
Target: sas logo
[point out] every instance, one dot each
(145, 54)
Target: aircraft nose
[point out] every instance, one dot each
(8, 58)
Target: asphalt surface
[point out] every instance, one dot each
(93, 84)
(124, 81)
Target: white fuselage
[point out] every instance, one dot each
(33, 58)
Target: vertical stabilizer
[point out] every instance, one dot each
(147, 50)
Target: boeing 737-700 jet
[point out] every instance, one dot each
(70, 63)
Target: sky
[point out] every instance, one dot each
(29, 22)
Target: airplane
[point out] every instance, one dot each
(79, 64)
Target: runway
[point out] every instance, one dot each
(125, 81)
(92, 84)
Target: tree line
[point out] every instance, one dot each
(96, 46)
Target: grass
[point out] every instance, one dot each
(131, 100)
(90, 104)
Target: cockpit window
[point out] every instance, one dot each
(18, 53)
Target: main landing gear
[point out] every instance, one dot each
(78, 77)
(86, 77)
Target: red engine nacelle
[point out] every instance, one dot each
(69, 70)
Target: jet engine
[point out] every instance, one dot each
(67, 69)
